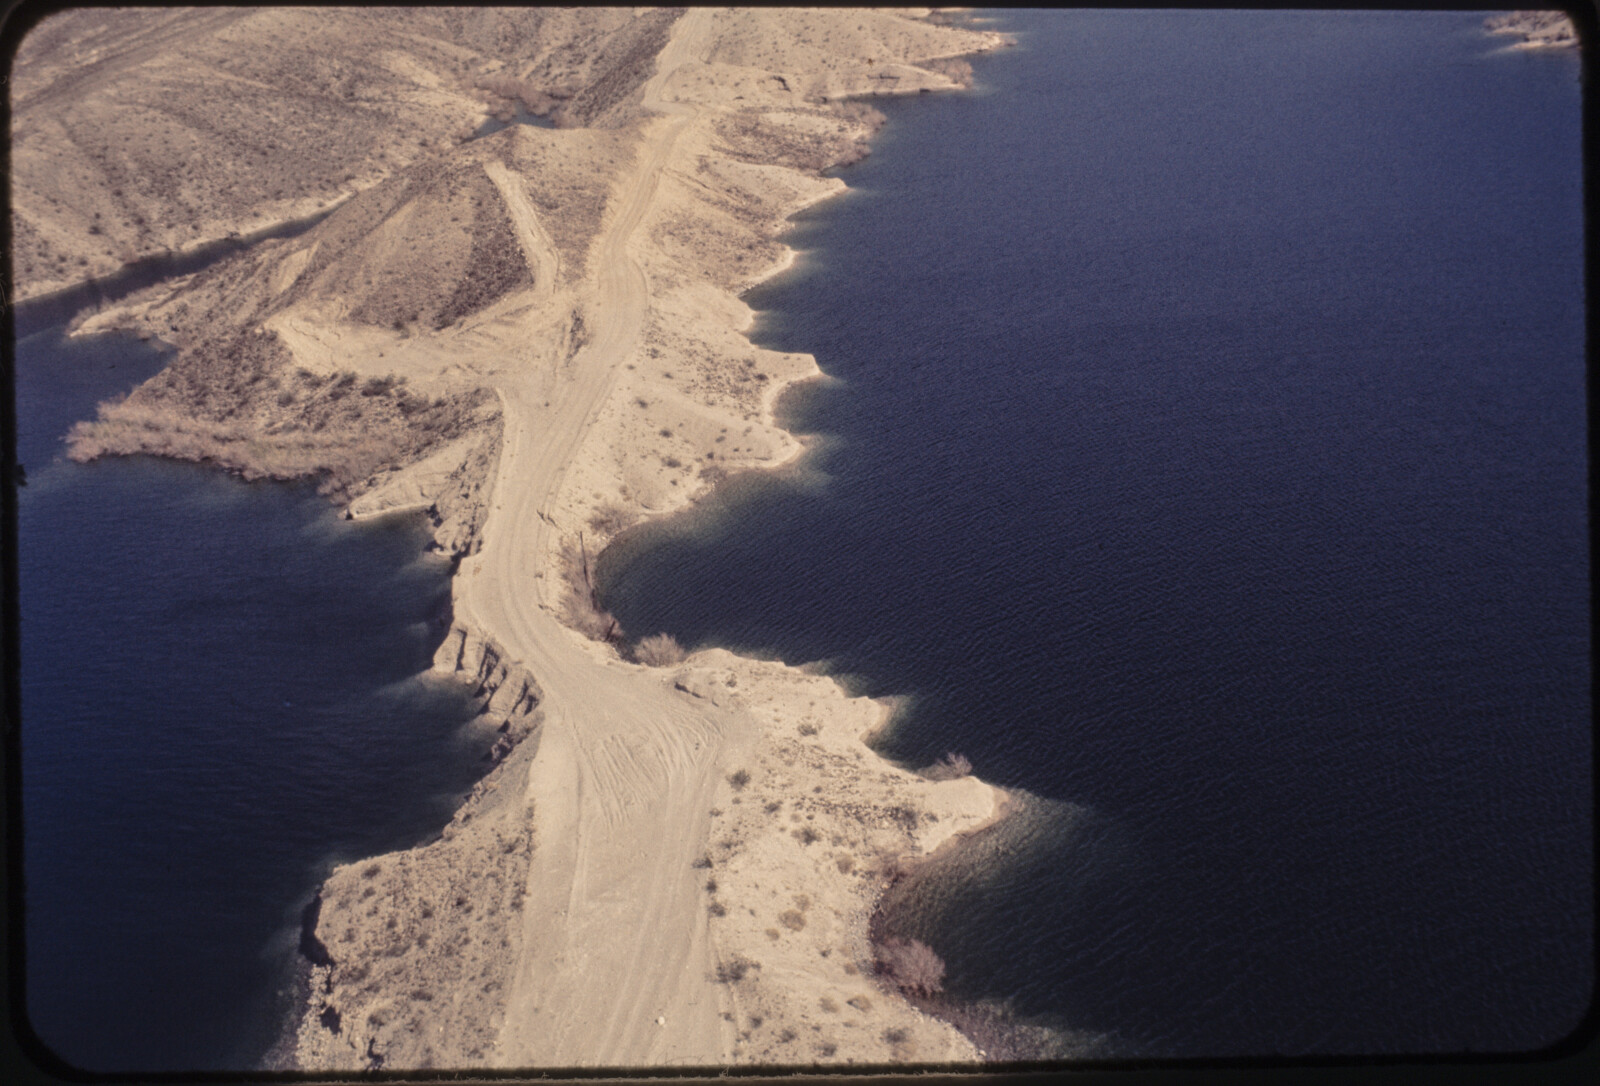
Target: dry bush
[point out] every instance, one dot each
(912, 965)
(223, 401)
(659, 651)
(734, 970)
(955, 69)
(609, 519)
(581, 608)
(948, 768)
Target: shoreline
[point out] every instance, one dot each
(707, 676)
(594, 900)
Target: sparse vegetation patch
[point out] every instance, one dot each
(659, 650)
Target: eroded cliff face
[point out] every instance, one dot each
(413, 950)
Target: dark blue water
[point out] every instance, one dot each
(219, 699)
(1208, 451)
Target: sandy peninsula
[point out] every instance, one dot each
(536, 339)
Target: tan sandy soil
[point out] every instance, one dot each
(670, 865)
(139, 131)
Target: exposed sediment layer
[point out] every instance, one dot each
(675, 865)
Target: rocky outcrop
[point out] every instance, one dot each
(508, 691)
(1551, 29)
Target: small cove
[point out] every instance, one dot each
(221, 697)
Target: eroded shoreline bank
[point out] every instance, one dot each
(721, 815)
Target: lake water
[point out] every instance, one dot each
(220, 699)
(1207, 458)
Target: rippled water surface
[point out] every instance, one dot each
(1208, 453)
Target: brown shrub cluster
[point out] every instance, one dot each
(535, 99)
(948, 768)
(660, 650)
(755, 136)
(911, 965)
(609, 519)
(235, 402)
(581, 608)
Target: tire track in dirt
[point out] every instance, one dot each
(613, 931)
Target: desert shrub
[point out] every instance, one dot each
(739, 779)
(659, 651)
(912, 965)
(948, 768)
(904, 814)
(953, 68)
(734, 969)
(582, 608)
(792, 919)
(609, 519)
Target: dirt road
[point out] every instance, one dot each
(616, 967)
